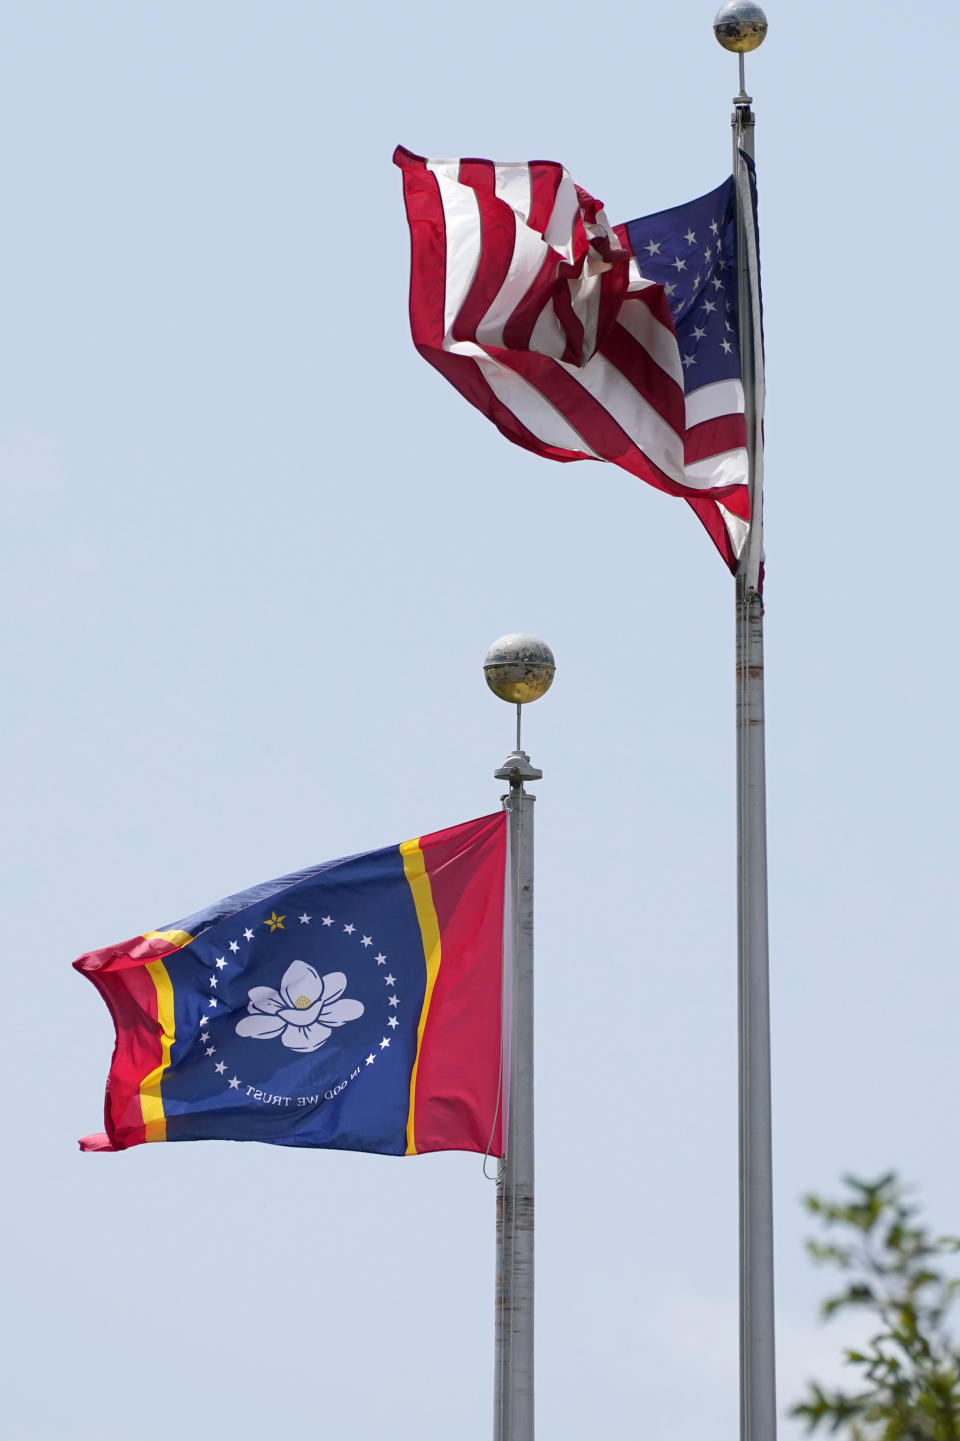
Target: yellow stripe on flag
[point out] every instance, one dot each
(415, 870)
(151, 1101)
(176, 938)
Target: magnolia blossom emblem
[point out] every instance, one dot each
(302, 1012)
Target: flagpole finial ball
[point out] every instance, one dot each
(519, 668)
(740, 26)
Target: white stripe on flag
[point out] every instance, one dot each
(461, 214)
(511, 183)
(723, 397)
(547, 337)
(737, 529)
(529, 251)
(585, 296)
(566, 208)
(728, 468)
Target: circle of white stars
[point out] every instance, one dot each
(233, 948)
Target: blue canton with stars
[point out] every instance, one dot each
(691, 251)
(338, 948)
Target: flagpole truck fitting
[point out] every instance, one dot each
(519, 669)
(740, 26)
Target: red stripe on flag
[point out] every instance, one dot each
(459, 1064)
(635, 363)
(563, 296)
(614, 288)
(738, 503)
(524, 316)
(428, 248)
(545, 177)
(713, 437)
(120, 975)
(570, 321)
(498, 232)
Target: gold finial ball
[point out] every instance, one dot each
(519, 668)
(740, 26)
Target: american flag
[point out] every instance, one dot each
(581, 340)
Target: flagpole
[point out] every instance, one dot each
(518, 669)
(741, 27)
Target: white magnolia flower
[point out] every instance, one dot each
(302, 1011)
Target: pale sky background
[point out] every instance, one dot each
(255, 552)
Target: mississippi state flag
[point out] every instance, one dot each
(586, 341)
(354, 1005)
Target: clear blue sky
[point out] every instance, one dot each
(255, 550)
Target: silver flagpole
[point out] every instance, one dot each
(741, 27)
(518, 668)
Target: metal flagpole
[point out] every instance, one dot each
(741, 27)
(518, 668)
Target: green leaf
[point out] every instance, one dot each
(895, 1274)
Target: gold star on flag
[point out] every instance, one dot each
(274, 921)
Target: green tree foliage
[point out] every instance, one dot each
(908, 1376)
